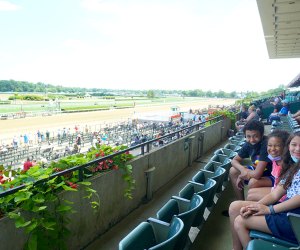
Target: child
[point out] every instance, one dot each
(276, 143)
(268, 215)
(255, 148)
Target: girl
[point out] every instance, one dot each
(276, 142)
(267, 215)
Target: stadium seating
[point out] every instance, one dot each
(203, 175)
(206, 191)
(232, 147)
(225, 163)
(184, 209)
(214, 171)
(153, 235)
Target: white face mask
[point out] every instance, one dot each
(276, 158)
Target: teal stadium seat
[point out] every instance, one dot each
(153, 235)
(227, 152)
(202, 176)
(265, 245)
(184, 209)
(264, 237)
(236, 141)
(225, 162)
(238, 137)
(233, 147)
(206, 191)
(216, 172)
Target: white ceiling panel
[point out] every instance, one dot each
(281, 25)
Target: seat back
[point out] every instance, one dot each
(226, 152)
(200, 177)
(295, 222)
(187, 191)
(141, 237)
(233, 147)
(167, 211)
(218, 175)
(188, 218)
(184, 209)
(226, 163)
(203, 178)
(175, 231)
(207, 193)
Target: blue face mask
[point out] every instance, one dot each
(277, 158)
(294, 159)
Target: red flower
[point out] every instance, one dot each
(115, 167)
(72, 185)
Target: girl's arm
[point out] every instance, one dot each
(290, 204)
(261, 207)
(273, 196)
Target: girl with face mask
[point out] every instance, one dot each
(276, 143)
(268, 215)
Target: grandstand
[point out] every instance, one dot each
(192, 159)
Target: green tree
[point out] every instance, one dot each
(150, 94)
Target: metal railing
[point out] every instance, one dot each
(142, 146)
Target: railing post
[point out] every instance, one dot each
(200, 145)
(149, 176)
(190, 157)
(80, 174)
(222, 130)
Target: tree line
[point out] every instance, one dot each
(43, 88)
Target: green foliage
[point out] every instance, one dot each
(47, 226)
(117, 162)
(26, 97)
(39, 209)
(150, 94)
(225, 114)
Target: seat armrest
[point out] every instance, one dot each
(160, 229)
(183, 204)
(196, 183)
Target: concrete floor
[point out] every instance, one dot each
(218, 225)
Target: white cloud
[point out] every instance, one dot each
(7, 6)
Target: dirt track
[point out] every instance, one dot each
(9, 128)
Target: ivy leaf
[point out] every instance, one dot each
(39, 198)
(49, 225)
(22, 196)
(86, 183)
(65, 187)
(32, 242)
(13, 215)
(36, 209)
(63, 208)
(87, 189)
(52, 180)
(31, 227)
(22, 223)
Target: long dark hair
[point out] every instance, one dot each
(289, 167)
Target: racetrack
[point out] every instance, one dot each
(10, 128)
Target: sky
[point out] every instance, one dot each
(137, 44)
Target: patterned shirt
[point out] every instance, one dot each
(294, 189)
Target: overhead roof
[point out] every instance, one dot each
(281, 25)
(295, 82)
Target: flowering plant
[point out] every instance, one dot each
(115, 163)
